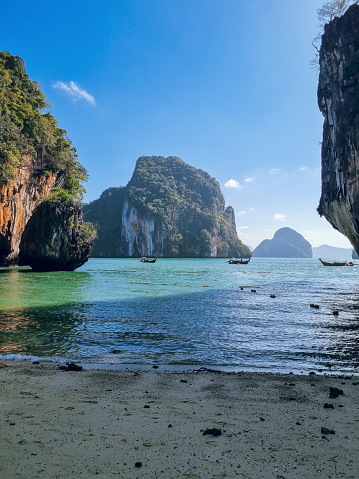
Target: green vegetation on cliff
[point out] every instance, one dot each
(168, 208)
(26, 128)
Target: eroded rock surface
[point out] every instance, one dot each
(338, 99)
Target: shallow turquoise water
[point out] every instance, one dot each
(186, 312)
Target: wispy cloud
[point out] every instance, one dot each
(243, 228)
(279, 217)
(75, 92)
(304, 168)
(249, 180)
(232, 184)
(273, 171)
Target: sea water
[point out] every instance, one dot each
(181, 313)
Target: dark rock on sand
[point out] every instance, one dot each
(71, 367)
(335, 392)
(212, 432)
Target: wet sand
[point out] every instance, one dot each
(104, 424)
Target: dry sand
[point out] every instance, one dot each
(105, 424)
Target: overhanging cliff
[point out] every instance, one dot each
(338, 99)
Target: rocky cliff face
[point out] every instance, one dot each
(168, 209)
(19, 198)
(54, 239)
(37, 162)
(338, 99)
(286, 243)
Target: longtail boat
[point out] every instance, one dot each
(238, 261)
(148, 260)
(336, 263)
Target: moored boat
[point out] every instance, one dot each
(336, 263)
(238, 261)
(149, 260)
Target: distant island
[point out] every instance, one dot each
(286, 243)
(168, 209)
(326, 251)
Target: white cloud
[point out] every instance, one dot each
(75, 92)
(232, 184)
(249, 180)
(304, 168)
(241, 213)
(273, 171)
(279, 217)
(242, 228)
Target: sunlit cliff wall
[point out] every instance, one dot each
(18, 199)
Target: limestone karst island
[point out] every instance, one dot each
(41, 180)
(168, 209)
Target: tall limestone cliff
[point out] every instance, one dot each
(168, 209)
(338, 99)
(37, 163)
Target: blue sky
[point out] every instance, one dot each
(225, 85)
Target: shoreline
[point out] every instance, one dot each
(17, 359)
(149, 424)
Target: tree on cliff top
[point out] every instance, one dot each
(325, 14)
(332, 9)
(27, 128)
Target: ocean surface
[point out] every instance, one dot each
(185, 313)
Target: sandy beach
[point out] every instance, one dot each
(129, 424)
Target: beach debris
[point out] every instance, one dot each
(3, 365)
(170, 425)
(117, 351)
(335, 312)
(155, 367)
(138, 464)
(328, 406)
(212, 432)
(325, 430)
(146, 406)
(183, 380)
(208, 370)
(311, 305)
(253, 290)
(272, 295)
(71, 367)
(335, 392)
